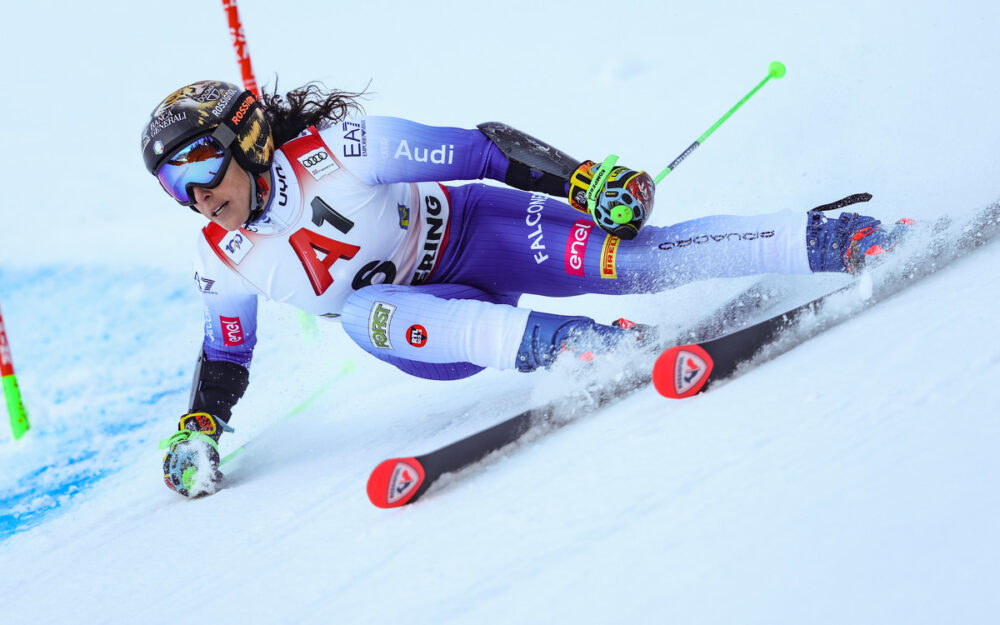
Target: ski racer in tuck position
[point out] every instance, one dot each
(314, 204)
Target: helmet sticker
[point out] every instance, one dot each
(159, 124)
(199, 108)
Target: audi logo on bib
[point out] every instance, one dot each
(315, 159)
(318, 163)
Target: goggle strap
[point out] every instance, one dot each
(224, 135)
(227, 123)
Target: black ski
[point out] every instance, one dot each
(686, 370)
(400, 481)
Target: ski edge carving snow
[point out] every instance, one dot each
(474, 448)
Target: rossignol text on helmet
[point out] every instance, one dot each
(201, 108)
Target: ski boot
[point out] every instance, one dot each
(847, 243)
(191, 465)
(548, 336)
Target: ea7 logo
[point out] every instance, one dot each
(204, 284)
(232, 331)
(355, 141)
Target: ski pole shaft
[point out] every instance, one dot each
(240, 45)
(775, 70)
(347, 368)
(12, 394)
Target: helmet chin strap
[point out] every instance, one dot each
(257, 193)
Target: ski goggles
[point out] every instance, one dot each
(201, 163)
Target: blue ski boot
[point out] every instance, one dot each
(191, 465)
(547, 336)
(845, 244)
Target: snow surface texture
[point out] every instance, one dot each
(853, 479)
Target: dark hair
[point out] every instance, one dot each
(309, 105)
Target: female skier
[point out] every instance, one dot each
(311, 203)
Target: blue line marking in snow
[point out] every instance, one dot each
(42, 502)
(73, 454)
(53, 499)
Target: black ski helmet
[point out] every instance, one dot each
(200, 108)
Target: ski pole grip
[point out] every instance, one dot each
(597, 184)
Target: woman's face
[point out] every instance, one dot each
(229, 203)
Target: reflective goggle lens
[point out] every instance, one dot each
(201, 163)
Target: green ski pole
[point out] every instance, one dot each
(775, 70)
(622, 214)
(347, 368)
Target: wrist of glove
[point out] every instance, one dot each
(623, 200)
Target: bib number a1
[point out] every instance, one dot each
(308, 246)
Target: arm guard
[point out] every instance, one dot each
(217, 387)
(534, 165)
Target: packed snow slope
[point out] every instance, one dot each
(852, 479)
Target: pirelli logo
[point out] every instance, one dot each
(609, 257)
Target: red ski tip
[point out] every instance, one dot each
(394, 482)
(682, 371)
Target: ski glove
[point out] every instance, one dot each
(191, 465)
(624, 198)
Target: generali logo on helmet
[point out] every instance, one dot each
(165, 121)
